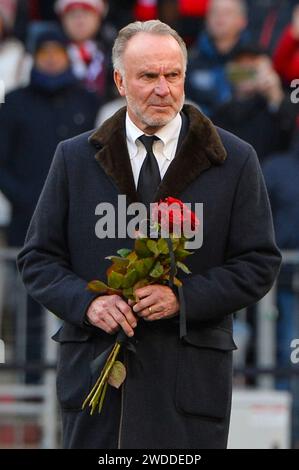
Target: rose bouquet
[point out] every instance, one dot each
(154, 260)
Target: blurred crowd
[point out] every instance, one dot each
(55, 64)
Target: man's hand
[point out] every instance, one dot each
(110, 312)
(268, 82)
(156, 302)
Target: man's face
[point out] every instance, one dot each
(225, 19)
(153, 81)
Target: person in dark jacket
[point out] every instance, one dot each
(206, 82)
(259, 111)
(177, 392)
(32, 121)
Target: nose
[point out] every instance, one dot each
(162, 88)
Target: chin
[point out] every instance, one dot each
(159, 119)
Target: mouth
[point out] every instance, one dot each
(161, 106)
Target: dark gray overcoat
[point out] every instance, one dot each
(177, 394)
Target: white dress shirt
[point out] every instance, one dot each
(164, 149)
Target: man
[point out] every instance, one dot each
(225, 32)
(177, 392)
(54, 106)
(258, 102)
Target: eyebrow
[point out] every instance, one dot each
(151, 72)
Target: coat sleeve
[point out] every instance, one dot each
(44, 261)
(252, 258)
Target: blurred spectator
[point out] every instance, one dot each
(206, 82)
(81, 22)
(32, 122)
(286, 55)
(41, 10)
(120, 12)
(281, 174)
(186, 16)
(258, 111)
(14, 68)
(267, 19)
(191, 19)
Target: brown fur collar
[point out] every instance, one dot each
(200, 149)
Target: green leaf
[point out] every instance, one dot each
(98, 287)
(115, 280)
(117, 374)
(148, 263)
(132, 257)
(143, 266)
(157, 270)
(176, 281)
(153, 247)
(128, 293)
(118, 260)
(163, 246)
(141, 248)
(129, 279)
(141, 283)
(183, 267)
(181, 254)
(124, 252)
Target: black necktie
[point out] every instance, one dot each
(149, 177)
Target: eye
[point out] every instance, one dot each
(149, 76)
(172, 75)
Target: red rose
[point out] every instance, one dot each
(173, 215)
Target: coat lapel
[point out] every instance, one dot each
(200, 149)
(113, 154)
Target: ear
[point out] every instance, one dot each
(119, 82)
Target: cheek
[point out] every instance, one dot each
(139, 92)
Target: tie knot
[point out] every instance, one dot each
(147, 141)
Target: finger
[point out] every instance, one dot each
(108, 325)
(127, 312)
(143, 292)
(155, 313)
(142, 306)
(121, 320)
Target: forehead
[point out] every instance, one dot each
(151, 49)
(224, 5)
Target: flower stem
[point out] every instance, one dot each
(98, 392)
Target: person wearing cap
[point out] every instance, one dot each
(82, 24)
(177, 391)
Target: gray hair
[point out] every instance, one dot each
(151, 27)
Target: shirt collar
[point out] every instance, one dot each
(167, 134)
